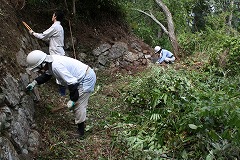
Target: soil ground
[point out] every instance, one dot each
(58, 131)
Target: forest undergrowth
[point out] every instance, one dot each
(164, 112)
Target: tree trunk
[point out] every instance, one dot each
(231, 14)
(171, 29)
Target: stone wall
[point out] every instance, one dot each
(19, 137)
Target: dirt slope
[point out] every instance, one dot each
(9, 42)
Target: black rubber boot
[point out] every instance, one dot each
(81, 129)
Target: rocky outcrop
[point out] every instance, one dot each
(19, 137)
(121, 55)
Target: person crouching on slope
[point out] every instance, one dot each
(77, 76)
(164, 55)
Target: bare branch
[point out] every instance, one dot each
(170, 30)
(154, 19)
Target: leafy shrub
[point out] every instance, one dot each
(191, 43)
(93, 10)
(157, 88)
(227, 56)
(194, 115)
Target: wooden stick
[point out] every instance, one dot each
(72, 39)
(58, 109)
(63, 107)
(27, 26)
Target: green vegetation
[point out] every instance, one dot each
(207, 32)
(159, 113)
(181, 114)
(183, 111)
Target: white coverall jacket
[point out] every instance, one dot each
(55, 36)
(79, 78)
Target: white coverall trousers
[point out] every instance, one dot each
(84, 89)
(169, 59)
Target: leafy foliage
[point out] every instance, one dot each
(89, 10)
(92, 10)
(140, 24)
(194, 115)
(227, 56)
(172, 113)
(219, 42)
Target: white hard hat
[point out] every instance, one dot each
(157, 49)
(37, 57)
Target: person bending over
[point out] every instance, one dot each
(78, 77)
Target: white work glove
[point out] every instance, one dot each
(70, 104)
(31, 32)
(157, 62)
(30, 86)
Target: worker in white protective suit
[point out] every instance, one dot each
(54, 35)
(164, 55)
(77, 76)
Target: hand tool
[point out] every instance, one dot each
(27, 26)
